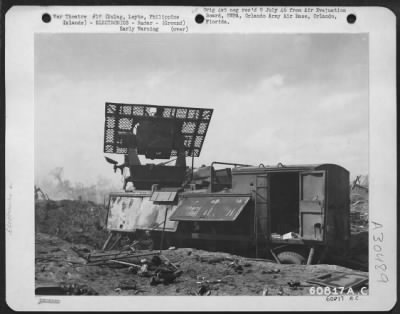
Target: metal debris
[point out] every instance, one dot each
(125, 263)
(204, 290)
(144, 271)
(164, 276)
(204, 281)
(294, 284)
(236, 267)
(103, 258)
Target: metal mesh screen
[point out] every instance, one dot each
(124, 117)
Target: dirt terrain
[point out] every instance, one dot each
(67, 231)
(207, 273)
(73, 221)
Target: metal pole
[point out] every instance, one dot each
(108, 258)
(163, 230)
(124, 263)
(310, 256)
(192, 166)
(256, 225)
(275, 257)
(229, 163)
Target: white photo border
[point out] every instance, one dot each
(23, 22)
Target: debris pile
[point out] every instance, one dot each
(359, 221)
(359, 204)
(286, 236)
(151, 265)
(79, 269)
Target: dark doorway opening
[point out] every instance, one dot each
(284, 202)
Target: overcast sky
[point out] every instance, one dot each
(286, 98)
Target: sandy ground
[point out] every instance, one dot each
(203, 273)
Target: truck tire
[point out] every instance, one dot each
(289, 257)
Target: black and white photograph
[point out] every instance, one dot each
(202, 164)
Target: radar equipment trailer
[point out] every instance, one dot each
(291, 213)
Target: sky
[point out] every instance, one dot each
(289, 98)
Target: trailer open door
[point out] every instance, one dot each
(312, 205)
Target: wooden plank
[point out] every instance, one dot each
(107, 241)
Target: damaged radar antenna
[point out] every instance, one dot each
(156, 132)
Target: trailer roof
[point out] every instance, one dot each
(282, 168)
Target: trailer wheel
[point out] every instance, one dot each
(289, 257)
